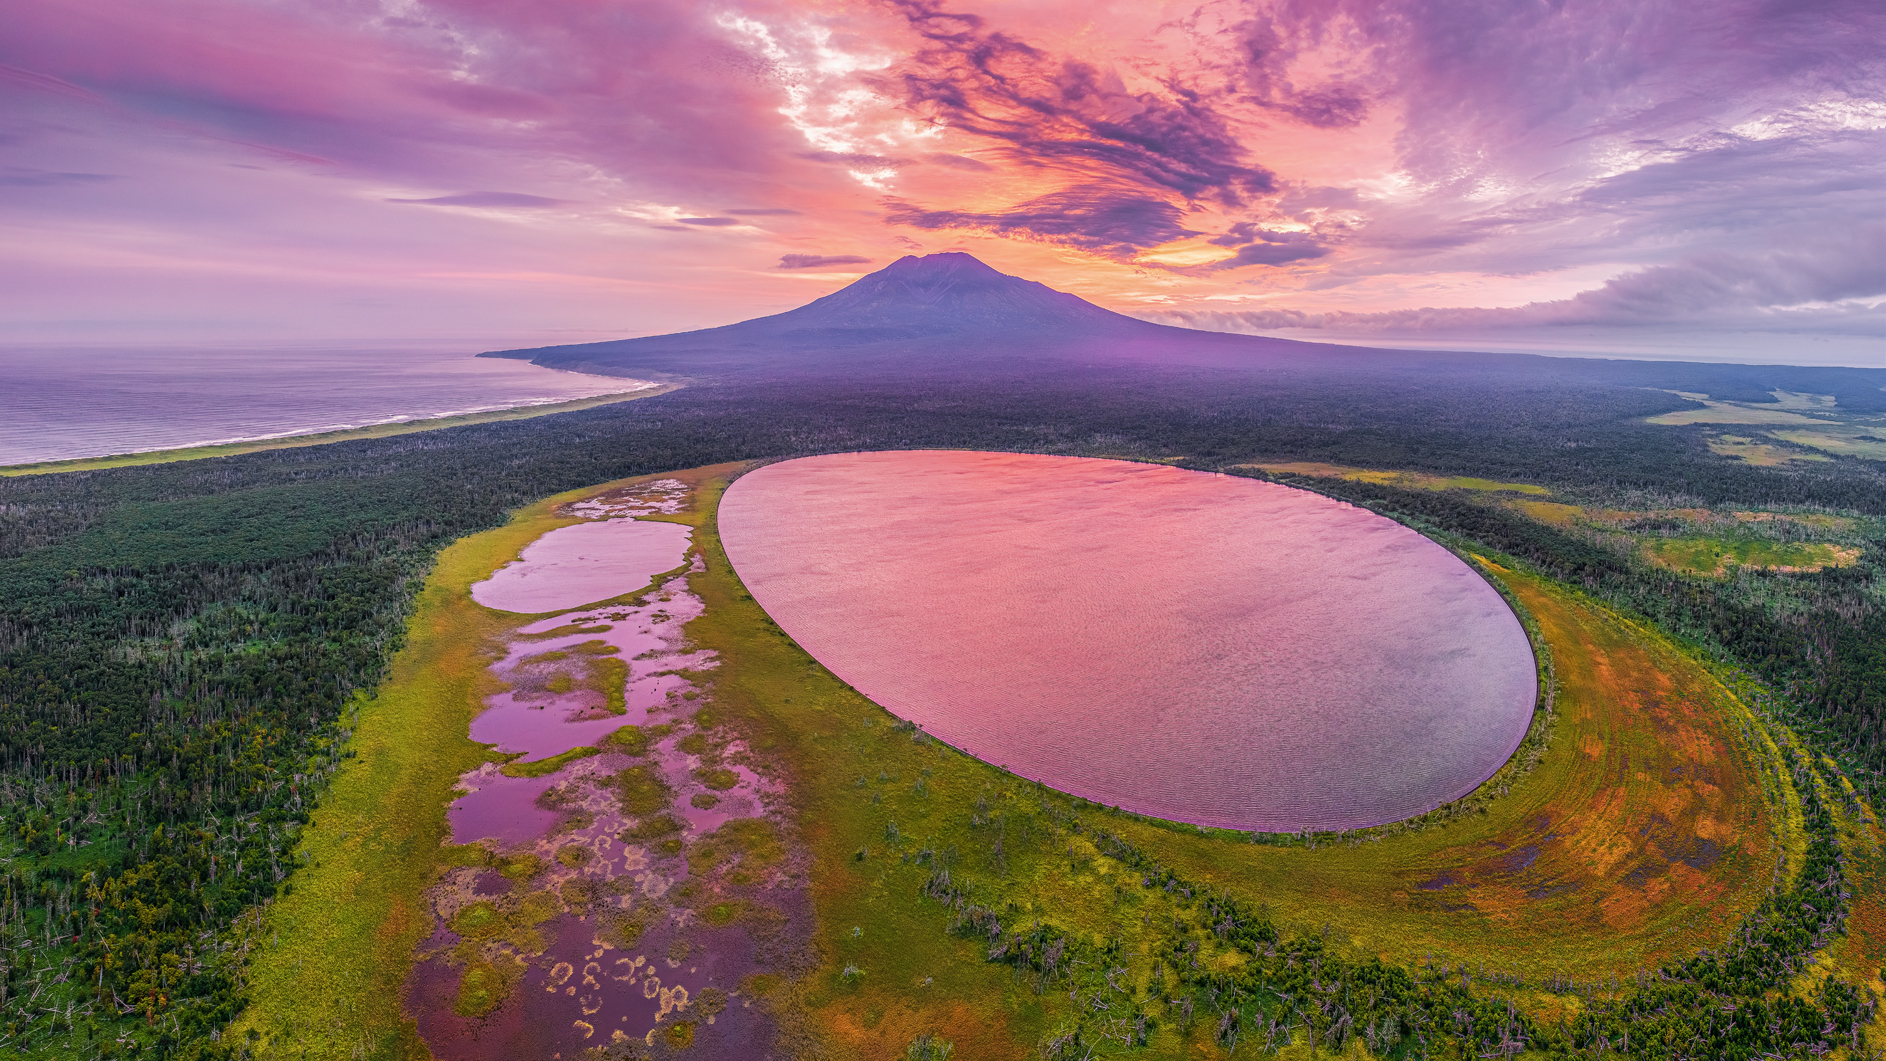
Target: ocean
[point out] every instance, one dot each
(59, 404)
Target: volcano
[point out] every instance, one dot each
(935, 311)
(949, 315)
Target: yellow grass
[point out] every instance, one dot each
(1817, 520)
(1853, 444)
(1716, 557)
(1757, 453)
(1410, 480)
(1551, 512)
(1730, 413)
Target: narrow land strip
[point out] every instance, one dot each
(404, 427)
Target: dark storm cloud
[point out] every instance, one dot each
(815, 261)
(1108, 221)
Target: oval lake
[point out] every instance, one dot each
(1199, 647)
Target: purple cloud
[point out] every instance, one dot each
(853, 158)
(1825, 286)
(1115, 223)
(1149, 152)
(1261, 246)
(1271, 254)
(1722, 163)
(963, 162)
(816, 261)
(15, 177)
(515, 200)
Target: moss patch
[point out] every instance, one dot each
(641, 790)
(546, 767)
(629, 740)
(478, 921)
(1717, 557)
(652, 828)
(482, 988)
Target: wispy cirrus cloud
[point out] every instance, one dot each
(820, 261)
(505, 200)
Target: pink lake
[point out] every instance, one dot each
(584, 563)
(1199, 647)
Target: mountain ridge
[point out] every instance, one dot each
(949, 305)
(951, 314)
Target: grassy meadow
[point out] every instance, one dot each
(1410, 480)
(1716, 557)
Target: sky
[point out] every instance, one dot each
(1643, 177)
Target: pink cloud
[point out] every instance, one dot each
(1302, 150)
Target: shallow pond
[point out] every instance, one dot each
(585, 562)
(1199, 647)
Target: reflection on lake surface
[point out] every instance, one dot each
(1198, 647)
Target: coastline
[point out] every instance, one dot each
(401, 427)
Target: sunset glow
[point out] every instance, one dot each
(561, 171)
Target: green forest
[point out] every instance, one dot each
(182, 645)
